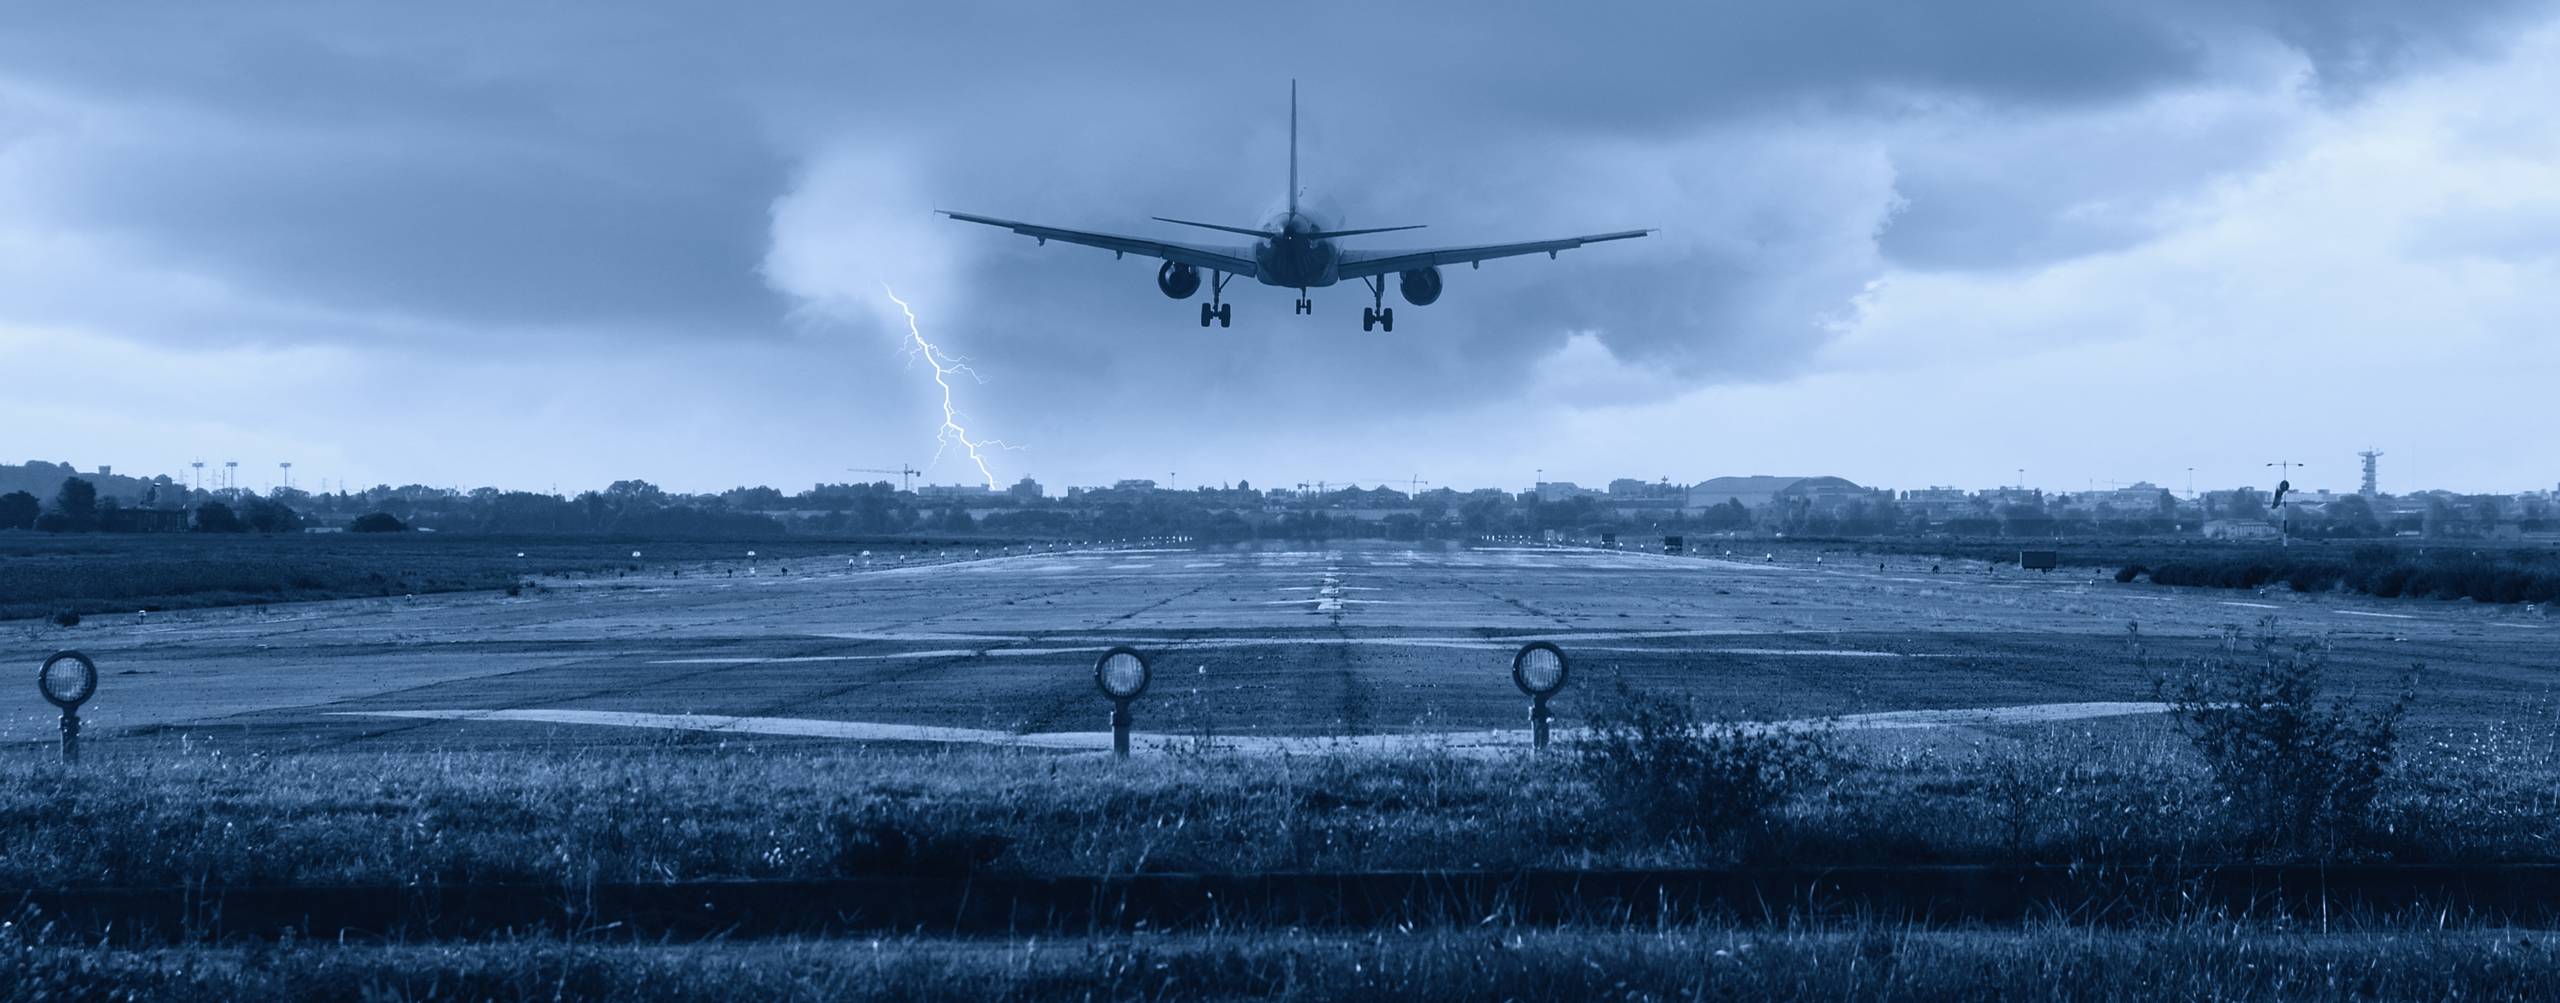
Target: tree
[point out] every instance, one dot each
(18, 510)
(216, 517)
(266, 515)
(377, 522)
(956, 520)
(77, 504)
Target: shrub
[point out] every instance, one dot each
(2391, 582)
(377, 522)
(66, 618)
(2315, 577)
(216, 517)
(2298, 774)
(2130, 572)
(1654, 763)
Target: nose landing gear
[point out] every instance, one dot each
(1381, 315)
(1217, 309)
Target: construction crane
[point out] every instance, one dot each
(906, 474)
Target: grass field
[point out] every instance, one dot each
(705, 810)
(42, 574)
(1853, 961)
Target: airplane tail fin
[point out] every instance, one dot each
(1293, 147)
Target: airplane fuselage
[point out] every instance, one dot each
(1299, 257)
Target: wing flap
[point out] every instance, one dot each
(1232, 260)
(1362, 264)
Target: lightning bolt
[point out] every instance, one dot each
(944, 365)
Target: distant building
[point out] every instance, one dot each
(1137, 485)
(1759, 490)
(2239, 529)
(1938, 502)
(953, 491)
(1753, 492)
(1556, 491)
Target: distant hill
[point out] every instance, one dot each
(42, 479)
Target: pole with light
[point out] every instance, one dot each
(1539, 669)
(68, 679)
(1121, 675)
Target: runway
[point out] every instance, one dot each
(1271, 648)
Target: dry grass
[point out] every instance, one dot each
(733, 810)
(1855, 961)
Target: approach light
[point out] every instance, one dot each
(1539, 669)
(67, 680)
(1121, 674)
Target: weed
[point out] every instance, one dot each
(2298, 774)
(1654, 763)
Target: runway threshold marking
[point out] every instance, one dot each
(1097, 741)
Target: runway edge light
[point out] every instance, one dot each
(1539, 669)
(67, 680)
(1121, 674)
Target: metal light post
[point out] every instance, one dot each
(1539, 670)
(2284, 485)
(67, 680)
(1121, 674)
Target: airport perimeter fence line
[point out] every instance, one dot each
(2512, 894)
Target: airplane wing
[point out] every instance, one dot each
(1232, 260)
(1362, 264)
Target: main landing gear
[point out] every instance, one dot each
(1221, 311)
(1305, 305)
(1381, 315)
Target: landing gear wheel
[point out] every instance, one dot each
(1205, 313)
(1226, 312)
(1306, 306)
(1379, 313)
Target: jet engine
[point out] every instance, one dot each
(1180, 281)
(1420, 286)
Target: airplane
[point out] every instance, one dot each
(1295, 248)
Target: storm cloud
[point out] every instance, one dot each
(543, 212)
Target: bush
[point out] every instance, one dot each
(1654, 763)
(2298, 775)
(2130, 572)
(66, 618)
(216, 517)
(378, 522)
(2315, 577)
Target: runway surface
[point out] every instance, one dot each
(1266, 648)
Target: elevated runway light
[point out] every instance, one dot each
(1539, 669)
(1121, 674)
(67, 680)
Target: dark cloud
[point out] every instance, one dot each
(504, 169)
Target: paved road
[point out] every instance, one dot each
(1354, 640)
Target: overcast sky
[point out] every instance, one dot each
(1909, 244)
